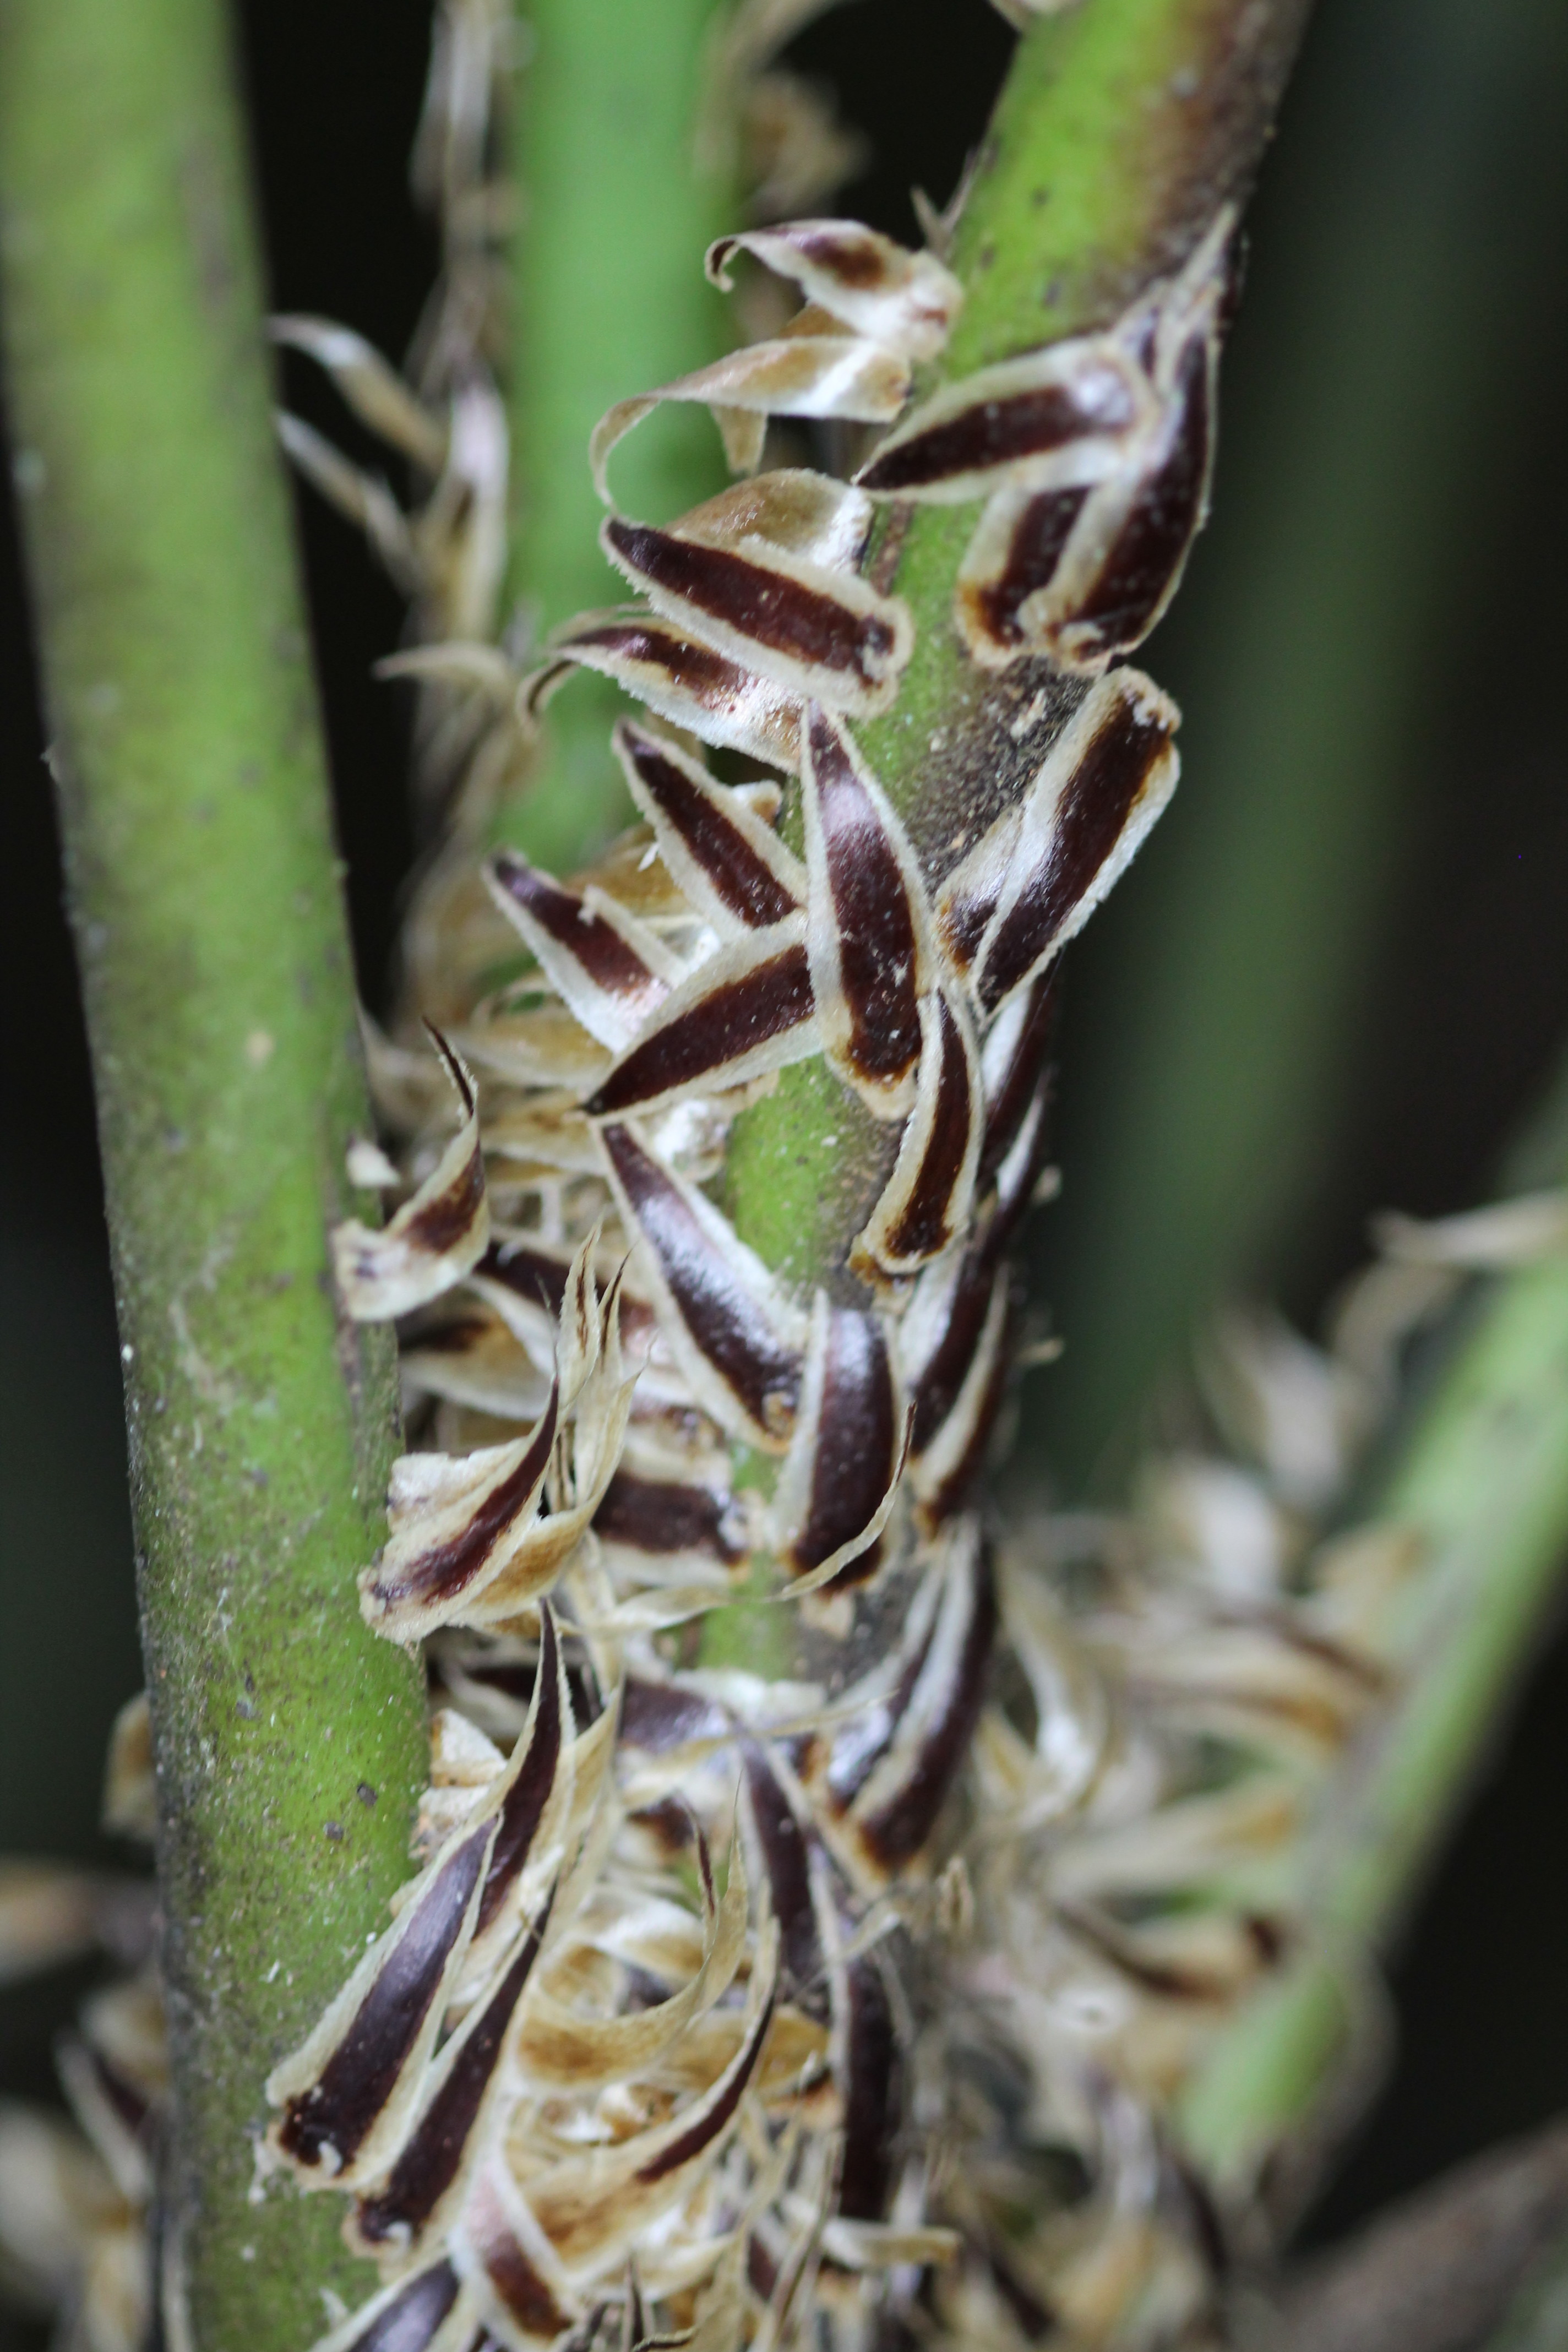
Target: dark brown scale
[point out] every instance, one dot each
(872, 915)
(851, 262)
(530, 1272)
(997, 432)
(1040, 536)
(359, 2076)
(897, 1832)
(446, 1567)
(746, 883)
(963, 921)
(856, 1438)
(1094, 809)
(657, 1716)
(655, 1514)
(413, 2316)
(952, 1494)
(1144, 559)
(430, 2161)
(733, 1019)
(1006, 1110)
(775, 612)
(444, 1221)
(762, 2270)
(710, 2124)
(926, 1226)
(606, 958)
(936, 1391)
(668, 1823)
(512, 2274)
(857, 1751)
(724, 1321)
(523, 1809)
(711, 679)
(785, 1853)
(870, 2095)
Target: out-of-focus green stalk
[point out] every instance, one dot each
(214, 963)
(620, 198)
(1480, 1477)
(1214, 1011)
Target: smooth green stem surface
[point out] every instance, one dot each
(215, 964)
(619, 201)
(1482, 1478)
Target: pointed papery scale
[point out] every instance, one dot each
(952, 1451)
(867, 928)
(1038, 875)
(1083, 575)
(905, 301)
(775, 589)
(426, 2313)
(610, 971)
(1059, 418)
(457, 1522)
(740, 1342)
(430, 2176)
(926, 1203)
(1126, 562)
(895, 1811)
(1013, 1067)
(348, 2094)
(839, 1481)
(720, 700)
(510, 2265)
(820, 371)
(435, 1237)
(730, 865)
(898, 307)
(657, 1522)
(746, 1012)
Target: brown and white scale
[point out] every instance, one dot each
(821, 1897)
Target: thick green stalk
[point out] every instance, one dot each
(1482, 1478)
(619, 198)
(215, 968)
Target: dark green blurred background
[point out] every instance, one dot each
(1334, 982)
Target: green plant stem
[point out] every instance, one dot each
(1482, 1478)
(618, 205)
(214, 963)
